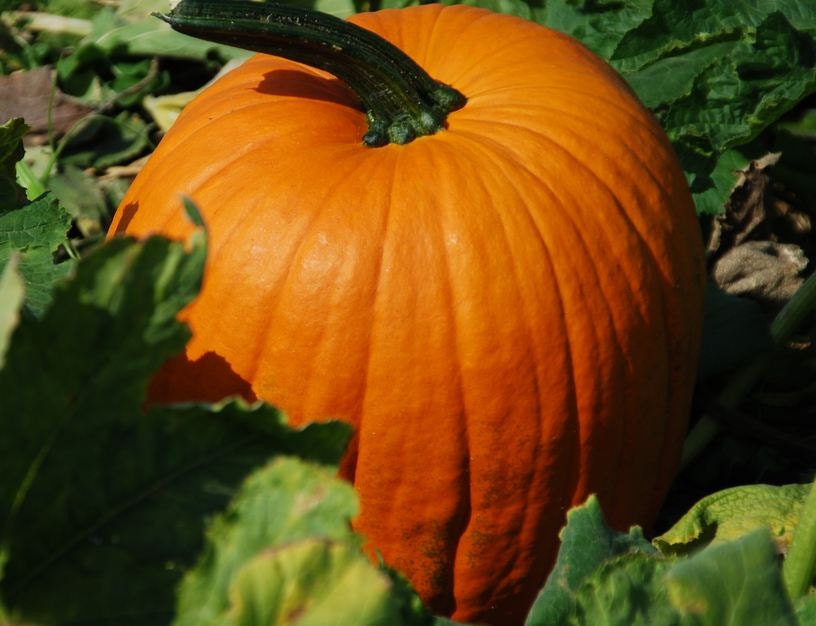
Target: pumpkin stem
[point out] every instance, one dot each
(400, 99)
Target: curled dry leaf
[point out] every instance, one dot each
(745, 255)
(745, 212)
(764, 270)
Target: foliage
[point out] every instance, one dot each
(117, 515)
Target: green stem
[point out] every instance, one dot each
(784, 325)
(401, 100)
(799, 567)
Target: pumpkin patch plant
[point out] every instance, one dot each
(461, 233)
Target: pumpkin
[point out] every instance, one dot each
(507, 310)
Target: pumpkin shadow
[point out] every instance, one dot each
(295, 84)
(127, 212)
(209, 378)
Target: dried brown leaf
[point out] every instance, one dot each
(763, 270)
(33, 96)
(746, 210)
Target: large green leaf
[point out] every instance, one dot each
(598, 24)
(604, 577)
(286, 501)
(628, 590)
(732, 584)
(806, 610)
(586, 543)
(312, 582)
(102, 504)
(284, 548)
(717, 74)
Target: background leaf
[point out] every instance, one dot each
(150, 37)
(598, 24)
(717, 74)
(103, 141)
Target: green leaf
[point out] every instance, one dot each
(606, 578)
(86, 361)
(285, 547)
(598, 24)
(519, 8)
(586, 542)
(12, 294)
(627, 591)
(750, 85)
(735, 512)
(286, 501)
(11, 151)
(102, 505)
(732, 584)
(153, 38)
(717, 74)
(713, 179)
(28, 181)
(35, 231)
(806, 610)
(804, 127)
(82, 196)
(104, 141)
(338, 8)
(312, 582)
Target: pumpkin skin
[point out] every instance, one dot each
(507, 311)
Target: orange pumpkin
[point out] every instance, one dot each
(508, 310)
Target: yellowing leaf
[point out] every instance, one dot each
(312, 582)
(735, 512)
(12, 293)
(736, 583)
